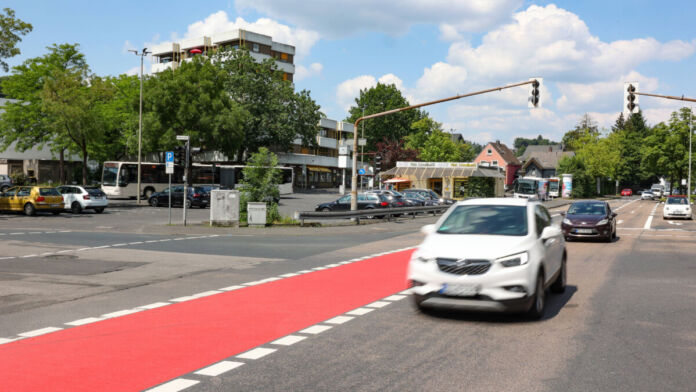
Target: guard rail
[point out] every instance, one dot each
(387, 213)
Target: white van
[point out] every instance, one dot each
(658, 190)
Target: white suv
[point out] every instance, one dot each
(78, 198)
(490, 255)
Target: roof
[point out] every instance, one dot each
(534, 150)
(548, 160)
(499, 201)
(507, 154)
(423, 173)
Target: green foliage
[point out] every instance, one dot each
(583, 184)
(521, 143)
(391, 128)
(586, 127)
(18, 178)
(260, 183)
(11, 29)
(665, 151)
(434, 145)
(479, 187)
(192, 100)
(277, 114)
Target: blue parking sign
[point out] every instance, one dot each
(169, 156)
(361, 172)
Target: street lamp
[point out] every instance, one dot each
(691, 130)
(142, 55)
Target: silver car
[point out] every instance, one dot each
(647, 195)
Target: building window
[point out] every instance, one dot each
(483, 163)
(284, 56)
(255, 47)
(490, 152)
(494, 163)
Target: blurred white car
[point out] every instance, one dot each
(647, 195)
(490, 255)
(677, 207)
(78, 198)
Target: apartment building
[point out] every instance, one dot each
(170, 54)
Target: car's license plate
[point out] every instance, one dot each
(459, 290)
(55, 205)
(584, 231)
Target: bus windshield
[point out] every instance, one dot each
(526, 187)
(109, 175)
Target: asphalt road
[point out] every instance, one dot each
(624, 324)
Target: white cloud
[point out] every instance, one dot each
(349, 90)
(302, 72)
(441, 80)
(127, 46)
(604, 95)
(341, 18)
(556, 44)
(135, 71)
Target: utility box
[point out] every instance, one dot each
(224, 208)
(256, 214)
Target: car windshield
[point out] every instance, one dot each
(677, 200)
(587, 209)
(486, 220)
(49, 192)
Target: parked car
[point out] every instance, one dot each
(497, 254)
(627, 192)
(5, 182)
(31, 199)
(366, 201)
(432, 195)
(196, 197)
(677, 207)
(589, 219)
(647, 195)
(78, 198)
(424, 201)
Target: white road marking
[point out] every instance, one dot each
(83, 249)
(102, 247)
(304, 272)
(206, 294)
(65, 251)
(16, 233)
(405, 292)
(339, 320)
(182, 299)
(378, 304)
(5, 340)
(84, 321)
(165, 240)
(331, 265)
(121, 313)
(360, 311)
(115, 245)
(37, 332)
(149, 242)
(345, 262)
(256, 353)
(175, 385)
(395, 297)
(289, 340)
(154, 305)
(46, 254)
(620, 221)
(34, 232)
(648, 222)
(135, 243)
(290, 275)
(179, 239)
(315, 329)
(27, 256)
(7, 257)
(219, 368)
(230, 288)
(319, 268)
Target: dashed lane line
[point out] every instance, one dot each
(176, 385)
(219, 368)
(257, 353)
(289, 340)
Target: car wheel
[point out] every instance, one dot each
(559, 284)
(99, 210)
(536, 311)
(188, 203)
(370, 216)
(75, 208)
(154, 202)
(29, 209)
(326, 209)
(148, 192)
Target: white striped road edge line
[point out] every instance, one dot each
(176, 385)
(289, 340)
(316, 329)
(257, 353)
(219, 368)
(84, 321)
(38, 332)
(36, 232)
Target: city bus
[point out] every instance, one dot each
(555, 187)
(120, 179)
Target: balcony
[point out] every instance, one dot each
(159, 67)
(326, 142)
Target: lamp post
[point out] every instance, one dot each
(691, 130)
(142, 55)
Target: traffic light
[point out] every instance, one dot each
(378, 163)
(534, 100)
(180, 155)
(630, 98)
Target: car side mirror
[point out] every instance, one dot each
(428, 229)
(563, 213)
(613, 214)
(550, 232)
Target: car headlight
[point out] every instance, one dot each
(567, 221)
(514, 260)
(603, 222)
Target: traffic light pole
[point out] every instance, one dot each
(691, 114)
(186, 179)
(354, 182)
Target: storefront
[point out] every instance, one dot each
(452, 180)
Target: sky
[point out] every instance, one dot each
(430, 49)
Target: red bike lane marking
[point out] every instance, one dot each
(141, 350)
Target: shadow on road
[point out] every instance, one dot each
(554, 304)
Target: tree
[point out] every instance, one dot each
(277, 114)
(582, 182)
(391, 128)
(521, 143)
(665, 151)
(394, 151)
(192, 100)
(11, 30)
(632, 136)
(586, 127)
(25, 123)
(260, 183)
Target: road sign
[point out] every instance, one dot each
(169, 156)
(169, 168)
(182, 137)
(362, 142)
(361, 172)
(343, 150)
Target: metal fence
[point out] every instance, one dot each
(385, 213)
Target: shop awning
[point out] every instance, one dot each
(424, 173)
(319, 169)
(396, 180)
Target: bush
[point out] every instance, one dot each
(19, 178)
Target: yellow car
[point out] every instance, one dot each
(31, 199)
